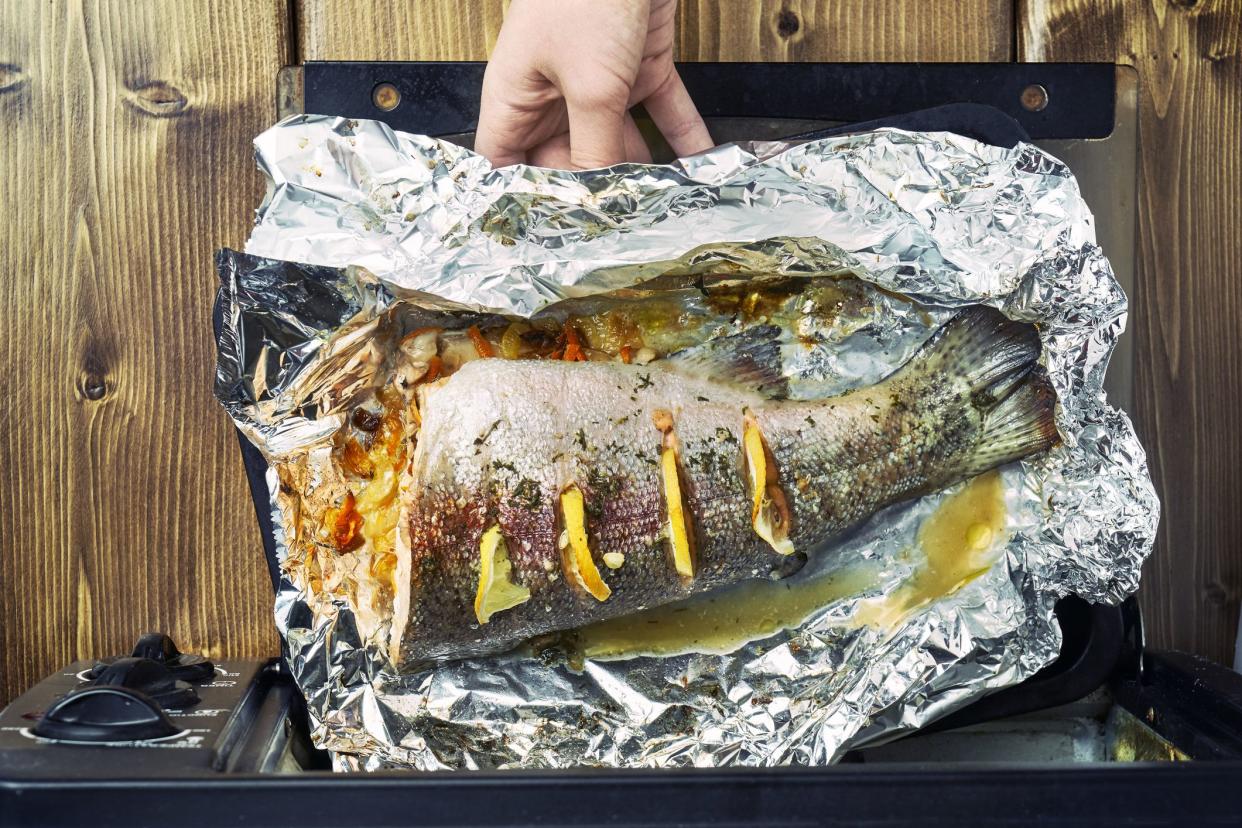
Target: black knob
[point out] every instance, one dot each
(105, 714)
(148, 677)
(159, 647)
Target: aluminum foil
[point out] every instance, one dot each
(395, 220)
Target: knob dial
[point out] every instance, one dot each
(105, 714)
(149, 677)
(159, 647)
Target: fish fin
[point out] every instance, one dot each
(1020, 424)
(982, 345)
(998, 358)
(750, 359)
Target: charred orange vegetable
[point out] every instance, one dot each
(344, 524)
(481, 345)
(573, 345)
(627, 354)
(434, 366)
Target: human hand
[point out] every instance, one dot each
(564, 74)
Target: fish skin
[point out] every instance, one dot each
(501, 439)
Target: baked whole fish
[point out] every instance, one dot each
(545, 495)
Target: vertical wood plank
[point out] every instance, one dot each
(845, 30)
(126, 161)
(1187, 315)
(732, 30)
(397, 29)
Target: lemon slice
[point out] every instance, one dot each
(769, 514)
(578, 556)
(678, 531)
(496, 591)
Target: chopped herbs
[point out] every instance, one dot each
(810, 421)
(504, 464)
(709, 463)
(480, 440)
(644, 381)
(702, 399)
(526, 495)
(724, 435)
(581, 440)
(603, 484)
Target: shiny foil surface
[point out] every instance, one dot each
(379, 219)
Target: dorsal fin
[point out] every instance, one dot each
(750, 359)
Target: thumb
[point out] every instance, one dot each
(596, 132)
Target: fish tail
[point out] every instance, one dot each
(1021, 424)
(998, 359)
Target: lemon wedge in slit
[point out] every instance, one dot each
(496, 591)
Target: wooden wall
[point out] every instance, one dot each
(126, 161)
(1187, 319)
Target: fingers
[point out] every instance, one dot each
(678, 118)
(552, 153)
(636, 148)
(596, 130)
(499, 135)
(490, 141)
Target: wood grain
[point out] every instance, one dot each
(1186, 318)
(126, 161)
(397, 29)
(845, 30)
(729, 30)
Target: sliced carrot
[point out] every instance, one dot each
(573, 345)
(481, 345)
(434, 366)
(627, 354)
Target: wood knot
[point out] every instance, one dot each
(787, 23)
(11, 77)
(1215, 594)
(93, 382)
(157, 99)
(94, 387)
